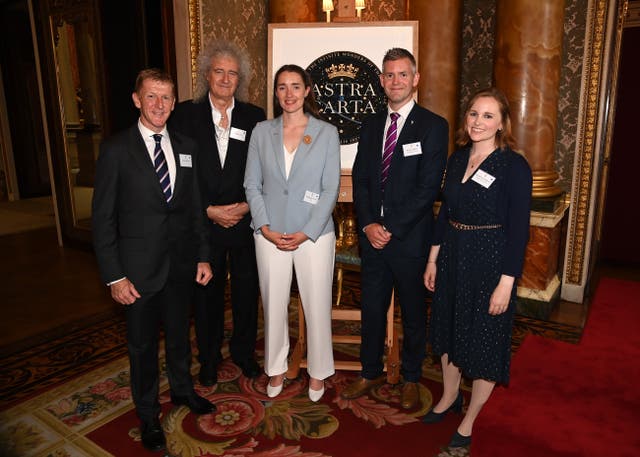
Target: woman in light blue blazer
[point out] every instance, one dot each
(291, 182)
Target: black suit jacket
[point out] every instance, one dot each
(220, 187)
(412, 185)
(136, 233)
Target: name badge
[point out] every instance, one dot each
(185, 160)
(311, 197)
(483, 178)
(412, 149)
(238, 134)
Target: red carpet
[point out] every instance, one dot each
(249, 423)
(572, 400)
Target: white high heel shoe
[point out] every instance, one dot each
(274, 391)
(316, 395)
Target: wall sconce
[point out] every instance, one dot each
(327, 7)
(359, 7)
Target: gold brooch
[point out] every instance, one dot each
(307, 139)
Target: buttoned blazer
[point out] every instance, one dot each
(412, 185)
(220, 186)
(305, 201)
(136, 233)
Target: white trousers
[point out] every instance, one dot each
(313, 263)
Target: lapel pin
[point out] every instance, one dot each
(307, 139)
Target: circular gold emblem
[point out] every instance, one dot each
(347, 88)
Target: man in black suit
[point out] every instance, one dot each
(151, 243)
(396, 177)
(221, 125)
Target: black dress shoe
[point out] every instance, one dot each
(152, 436)
(249, 367)
(196, 403)
(432, 417)
(208, 375)
(458, 440)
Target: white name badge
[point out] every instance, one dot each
(185, 160)
(311, 197)
(483, 178)
(412, 149)
(238, 134)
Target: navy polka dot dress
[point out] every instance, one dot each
(470, 262)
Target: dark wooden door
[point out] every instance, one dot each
(619, 242)
(20, 85)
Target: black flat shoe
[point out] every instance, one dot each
(249, 367)
(196, 403)
(458, 440)
(432, 417)
(152, 436)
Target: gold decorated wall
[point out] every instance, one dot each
(245, 23)
(589, 37)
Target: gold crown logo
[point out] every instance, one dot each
(335, 71)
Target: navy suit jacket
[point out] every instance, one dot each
(220, 186)
(136, 233)
(412, 185)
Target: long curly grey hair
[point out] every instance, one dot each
(222, 48)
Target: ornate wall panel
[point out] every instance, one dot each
(478, 35)
(383, 10)
(245, 23)
(603, 32)
(570, 75)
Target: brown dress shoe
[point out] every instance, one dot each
(410, 395)
(361, 386)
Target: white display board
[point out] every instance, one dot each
(303, 43)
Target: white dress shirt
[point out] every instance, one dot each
(222, 134)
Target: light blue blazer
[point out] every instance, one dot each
(305, 201)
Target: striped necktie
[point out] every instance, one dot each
(389, 145)
(162, 169)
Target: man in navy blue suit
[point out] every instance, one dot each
(151, 245)
(397, 174)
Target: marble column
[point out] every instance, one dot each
(539, 286)
(293, 11)
(527, 68)
(439, 29)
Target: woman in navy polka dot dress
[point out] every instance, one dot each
(477, 254)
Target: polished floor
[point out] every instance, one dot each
(47, 290)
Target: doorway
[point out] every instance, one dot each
(619, 244)
(25, 171)
(49, 288)
(88, 53)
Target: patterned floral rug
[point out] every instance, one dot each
(71, 397)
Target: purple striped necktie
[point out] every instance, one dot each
(162, 169)
(389, 145)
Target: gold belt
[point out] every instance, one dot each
(460, 226)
